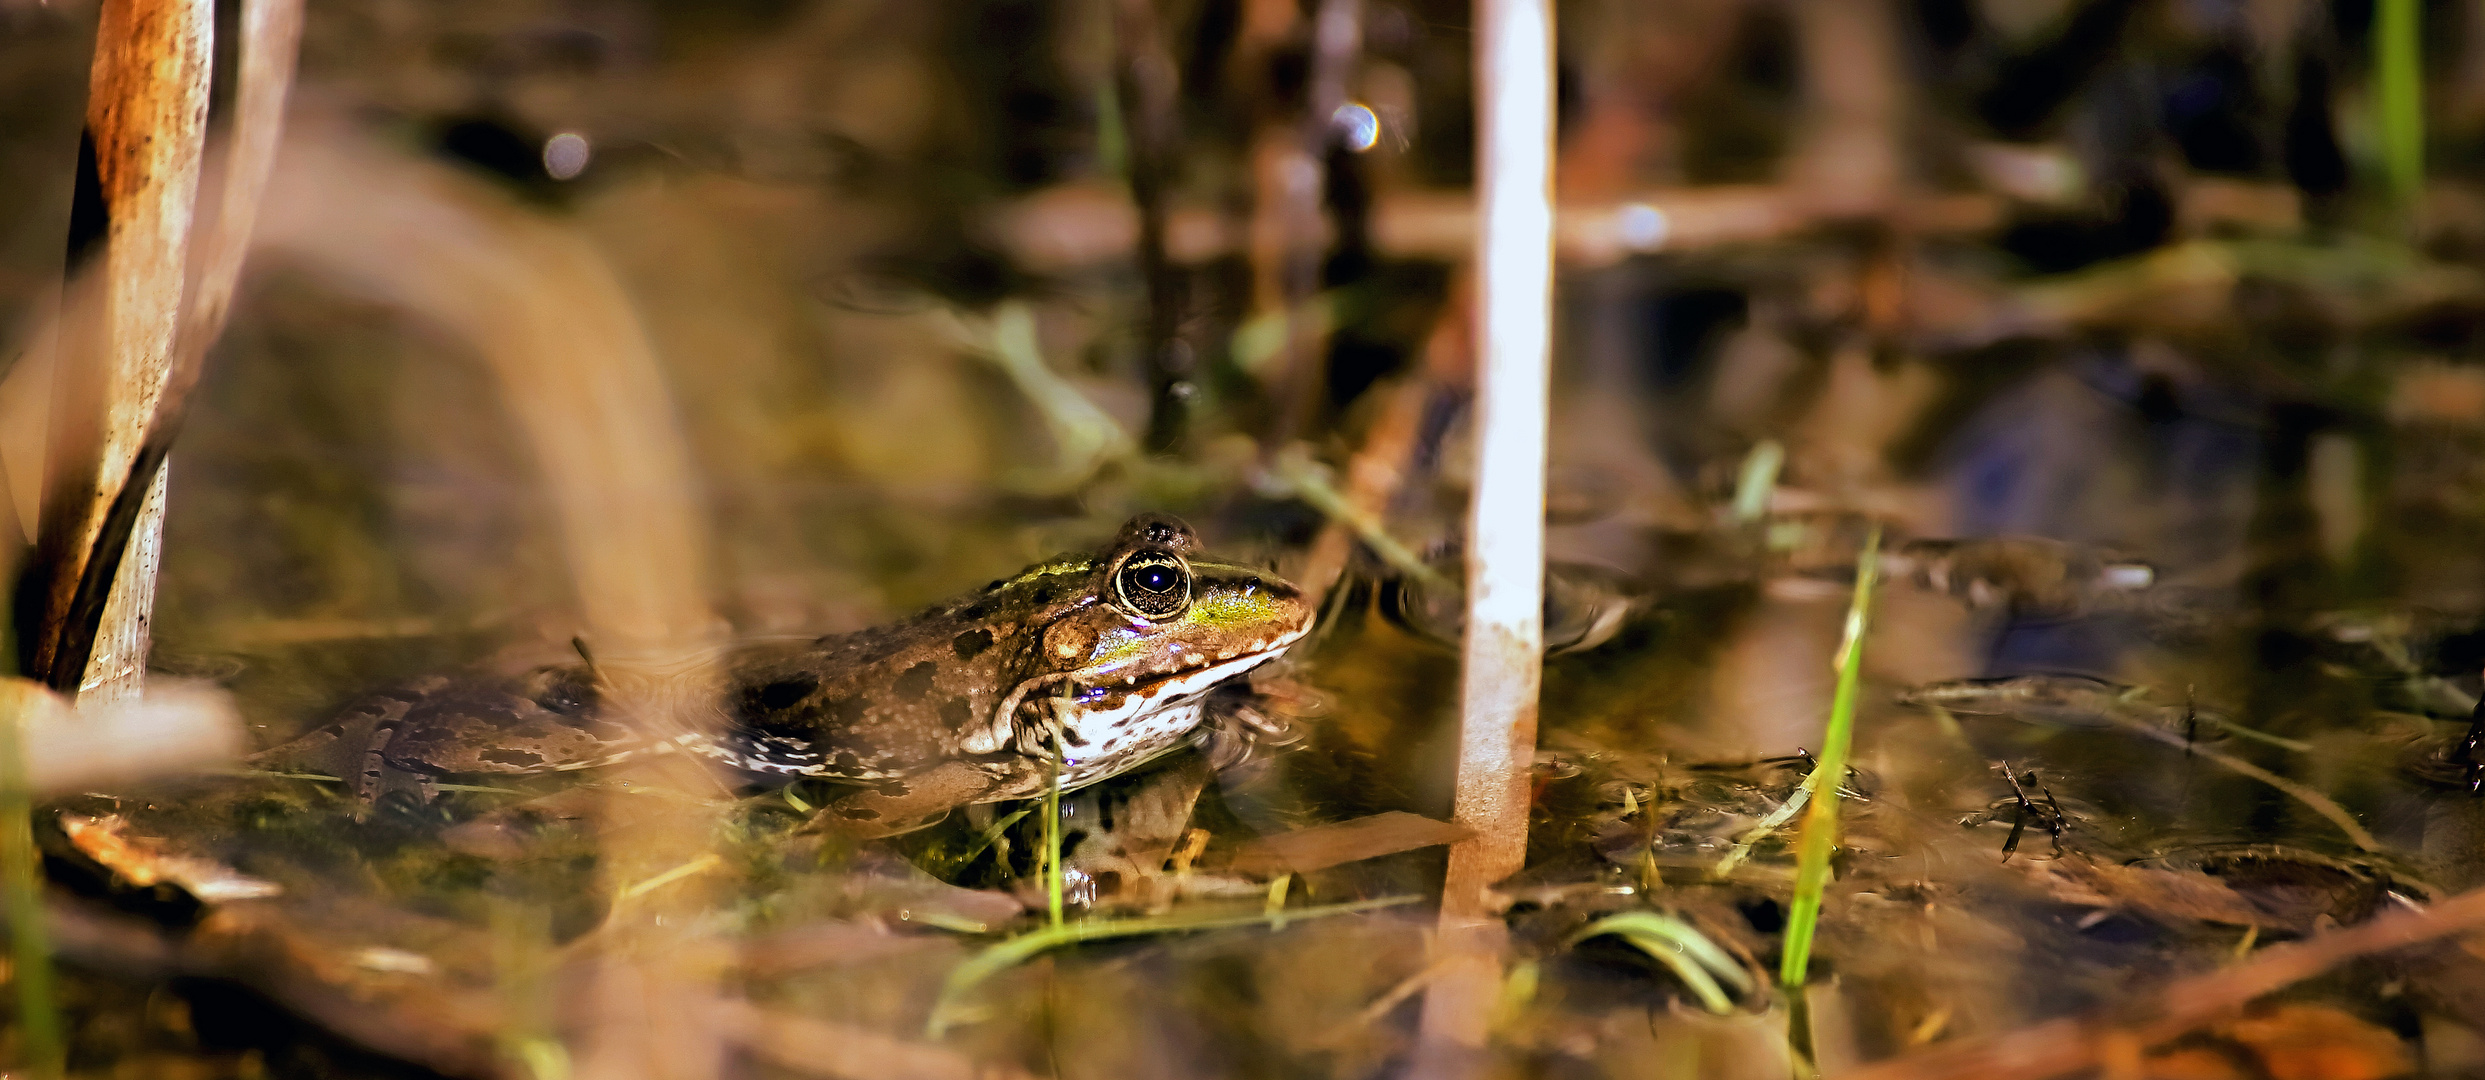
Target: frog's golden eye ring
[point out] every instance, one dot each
(1154, 586)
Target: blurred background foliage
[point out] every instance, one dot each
(934, 289)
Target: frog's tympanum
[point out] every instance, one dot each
(1102, 660)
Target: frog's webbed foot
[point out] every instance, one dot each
(1010, 726)
(1240, 718)
(1039, 732)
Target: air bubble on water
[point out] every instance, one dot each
(1357, 126)
(566, 155)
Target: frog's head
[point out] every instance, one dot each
(1155, 625)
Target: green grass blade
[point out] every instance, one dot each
(2398, 76)
(1820, 822)
(1766, 828)
(21, 891)
(1712, 997)
(1758, 480)
(1052, 838)
(1682, 948)
(1018, 950)
(985, 840)
(2255, 734)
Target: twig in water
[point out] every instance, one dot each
(2321, 804)
(1008, 954)
(1147, 82)
(1373, 476)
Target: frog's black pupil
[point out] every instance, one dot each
(1155, 588)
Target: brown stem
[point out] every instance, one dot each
(1148, 82)
(1337, 41)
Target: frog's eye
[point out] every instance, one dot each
(1154, 586)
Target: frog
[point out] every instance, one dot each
(1077, 669)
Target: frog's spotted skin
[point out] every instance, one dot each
(1074, 648)
(1106, 656)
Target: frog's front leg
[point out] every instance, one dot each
(1120, 833)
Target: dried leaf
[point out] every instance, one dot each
(2318, 1042)
(142, 862)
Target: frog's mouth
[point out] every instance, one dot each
(1091, 705)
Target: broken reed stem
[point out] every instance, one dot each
(40, 1047)
(1819, 838)
(146, 131)
(132, 518)
(2398, 93)
(1503, 656)
(1504, 647)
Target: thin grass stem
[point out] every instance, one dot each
(1757, 480)
(1052, 838)
(44, 1054)
(1819, 838)
(1683, 949)
(2398, 72)
(2319, 803)
(1767, 827)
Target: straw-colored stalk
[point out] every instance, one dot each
(1504, 649)
(146, 124)
(99, 640)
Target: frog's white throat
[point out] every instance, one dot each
(1103, 727)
